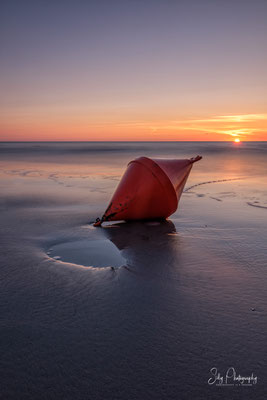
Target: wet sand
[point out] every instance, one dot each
(138, 310)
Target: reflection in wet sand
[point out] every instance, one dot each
(87, 253)
(136, 246)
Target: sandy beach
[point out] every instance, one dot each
(140, 310)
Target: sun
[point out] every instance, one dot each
(237, 140)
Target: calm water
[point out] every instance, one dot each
(182, 296)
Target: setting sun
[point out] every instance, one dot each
(237, 140)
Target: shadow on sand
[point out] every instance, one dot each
(145, 244)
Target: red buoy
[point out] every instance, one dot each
(149, 189)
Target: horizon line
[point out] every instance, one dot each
(128, 141)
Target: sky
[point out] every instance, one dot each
(133, 70)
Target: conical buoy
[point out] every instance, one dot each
(149, 189)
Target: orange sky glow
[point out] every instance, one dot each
(246, 127)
